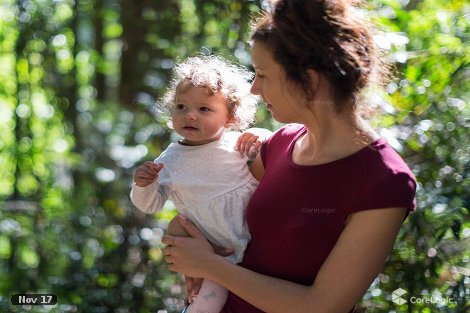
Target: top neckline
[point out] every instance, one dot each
(227, 136)
(197, 147)
(375, 145)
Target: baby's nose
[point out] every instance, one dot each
(190, 115)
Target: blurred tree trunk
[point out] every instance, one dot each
(133, 42)
(144, 24)
(22, 90)
(68, 93)
(98, 23)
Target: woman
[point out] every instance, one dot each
(333, 193)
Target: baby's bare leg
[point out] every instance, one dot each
(175, 229)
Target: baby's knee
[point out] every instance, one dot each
(175, 229)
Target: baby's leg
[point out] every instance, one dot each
(211, 298)
(175, 229)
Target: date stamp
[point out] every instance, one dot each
(33, 299)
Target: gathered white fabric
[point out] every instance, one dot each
(210, 185)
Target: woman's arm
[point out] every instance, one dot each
(352, 265)
(257, 167)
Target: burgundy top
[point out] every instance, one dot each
(298, 212)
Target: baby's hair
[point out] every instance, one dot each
(217, 75)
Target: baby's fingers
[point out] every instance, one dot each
(245, 142)
(238, 143)
(155, 168)
(147, 172)
(249, 144)
(256, 147)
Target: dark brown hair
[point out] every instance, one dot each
(326, 36)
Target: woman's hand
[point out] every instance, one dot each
(193, 285)
(190, 255)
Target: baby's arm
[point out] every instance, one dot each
(146, 194)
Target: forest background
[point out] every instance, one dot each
(78, 84)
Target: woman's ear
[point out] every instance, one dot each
(319, 83)
(314, 76)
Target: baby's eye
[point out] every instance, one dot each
(204, 109)
(179, 106)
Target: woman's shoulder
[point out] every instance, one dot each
(386, 179)
(290, 130)
(281, 140)
(287, 133)
(385, 156)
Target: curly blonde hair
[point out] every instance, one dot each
(217, 75)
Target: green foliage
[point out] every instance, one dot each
(431, 121)
(78, 84)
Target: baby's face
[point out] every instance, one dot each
(200, 117)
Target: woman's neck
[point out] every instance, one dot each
(332, 137)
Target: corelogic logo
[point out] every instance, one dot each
(397, 296)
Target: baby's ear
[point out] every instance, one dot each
(230, 121)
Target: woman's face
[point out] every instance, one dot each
(282, 99)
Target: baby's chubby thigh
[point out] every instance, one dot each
(175, 228)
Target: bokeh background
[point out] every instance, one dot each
(78, 84)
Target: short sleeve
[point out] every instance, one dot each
(396, 190)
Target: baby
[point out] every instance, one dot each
(210, 183)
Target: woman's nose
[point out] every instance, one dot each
(256, 87)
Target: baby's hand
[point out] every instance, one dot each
(147, 173)
(248, 144)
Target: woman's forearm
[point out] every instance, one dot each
(266, 293)
(193, 256)
(352, 265)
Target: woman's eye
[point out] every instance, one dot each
(259, 76)
(204, 109)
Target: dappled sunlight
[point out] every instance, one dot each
(78, 85)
